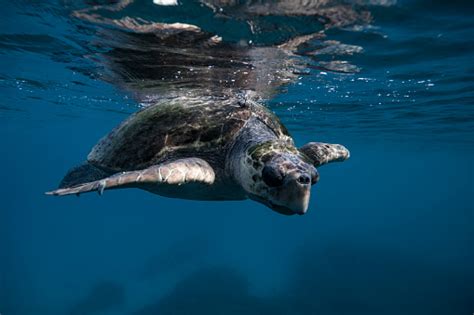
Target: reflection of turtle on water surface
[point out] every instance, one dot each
(198, 138)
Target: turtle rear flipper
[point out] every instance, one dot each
(190, 170)
(81, 174)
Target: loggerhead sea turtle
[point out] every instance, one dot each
(199, 141)
(205, 149)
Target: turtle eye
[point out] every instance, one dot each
(272, 176)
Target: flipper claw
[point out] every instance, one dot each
(102, 185)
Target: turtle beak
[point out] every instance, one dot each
(275, 207)
(294, 195)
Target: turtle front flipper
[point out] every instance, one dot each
(322, 153)
(178, 172)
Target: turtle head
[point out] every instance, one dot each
(278, 175)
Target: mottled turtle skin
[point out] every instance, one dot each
(213, 148)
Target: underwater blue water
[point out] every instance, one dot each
(390, 231)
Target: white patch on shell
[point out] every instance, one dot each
(165, 2)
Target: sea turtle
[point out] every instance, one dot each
(203, 133)
(205, 149)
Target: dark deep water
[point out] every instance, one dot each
(389, 231)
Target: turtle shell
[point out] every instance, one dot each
(182, 127)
